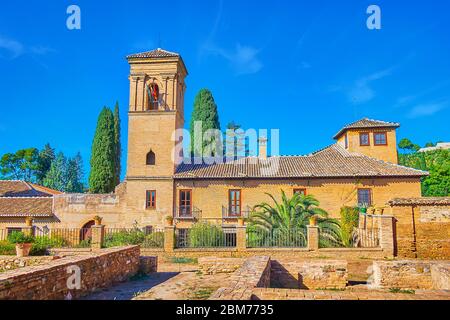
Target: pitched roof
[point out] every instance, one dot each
(330, 162)
(18, 188)
(157, 53)
(444, 201)
(24, 207)
(367, 123)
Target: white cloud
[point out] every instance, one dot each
(12, 47)
(427, 109)
(362, 90)
(243, 59)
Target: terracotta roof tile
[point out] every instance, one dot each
(420, 201)
(157, 53)
(18, 207)
(333, 161)
(367, 123)
(17, 188)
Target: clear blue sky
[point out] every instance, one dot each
(304, 67)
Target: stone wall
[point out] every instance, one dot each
(422, 227)
(214, 265)
(410, 274)
(13, 262)
(255, 272)
(49, 281)
(321, 274)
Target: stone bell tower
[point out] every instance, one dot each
(156, 110)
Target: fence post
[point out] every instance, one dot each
(241, 237)
(313, 237)
(169, 238)
(362, 221)
(387, 241)
(98, 236)
(28, 229)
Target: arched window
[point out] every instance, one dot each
(153, 96)
(150, 161)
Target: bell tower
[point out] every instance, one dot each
(156, 111)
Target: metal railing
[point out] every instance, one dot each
(207, 236)
(63, 237)
(230, 213)
(328, 238)
(366, 238)
(147, 237)
(277, 238)
(187, 213)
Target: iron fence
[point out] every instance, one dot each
(147, 237)
(62, 237)
(277, 238)
(205, 237)
(366, 238)
(329, 238)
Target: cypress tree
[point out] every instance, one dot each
(118, 152)
(205, 110)
(103, 165)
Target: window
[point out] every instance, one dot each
(151, 159)
(153, 96)
(380, 138)
(234, 198)
(346, 141)
(364, 139)
(185, 203)
(300, 191)
(364, 197)
(150, 202)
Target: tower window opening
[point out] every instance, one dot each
(151, 160)
(153, 96)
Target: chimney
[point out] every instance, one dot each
(262, 148)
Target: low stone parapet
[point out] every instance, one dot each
(214, 265)
(255, 272)
(12, 262)
(440, 275)
(148, 264)
(70, 277)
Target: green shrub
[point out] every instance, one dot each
(20, 237)
(154, 240)
(204, 235)
(7, 248)
(124, 238)
(349, 221)
(84, 244)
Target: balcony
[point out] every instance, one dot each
(187, 213)
(230, 213)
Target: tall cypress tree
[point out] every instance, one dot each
(118, 152)
(103, 164)
(205, 110)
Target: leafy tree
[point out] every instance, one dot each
(74, 175)
(102, 177)
(118, 147)
(406, 144)
(294, 214)
(56, 177)
(430, 144)
(205, 111)
(437, 163)
(45, 158)
(21, 165)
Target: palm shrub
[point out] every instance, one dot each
(349, 221)
(284, 223)
(203, 235)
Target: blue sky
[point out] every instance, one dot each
(304, 67)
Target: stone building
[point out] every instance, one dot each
(360, 167)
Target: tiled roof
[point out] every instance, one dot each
(157, 53)
(333, 161)
(367, 123)
(17, 188)
(23, 207)
(444, 201)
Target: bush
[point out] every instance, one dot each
(204, 235)
(7, 248)
(124, 238)
(349, 221)
(20, 237)
(154, 240)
